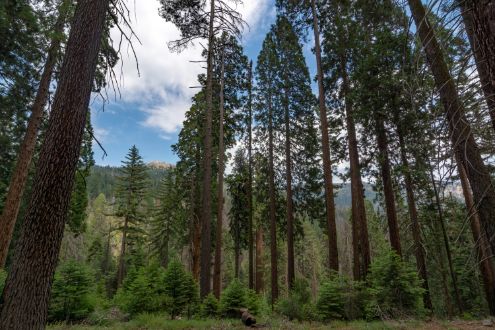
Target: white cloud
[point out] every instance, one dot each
(100, 133)
(162, 90)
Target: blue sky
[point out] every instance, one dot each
(151, 108)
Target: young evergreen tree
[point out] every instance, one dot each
(130, 194)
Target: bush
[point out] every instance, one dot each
(298, 305)
(143, 291)
(232, 299)
(3, 278)
(394, 288)
(330, 303)
(210, 306)
(181, 290)
(71, 293)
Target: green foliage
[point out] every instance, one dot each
(210, 306)
(71, 292)
(143, 291)
(394, 288)
(232, 299)
(330, 303)
(297, 306)
(181, 290)
(3, 278)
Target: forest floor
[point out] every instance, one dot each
(150, 322)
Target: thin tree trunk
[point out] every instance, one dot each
(237, 255)
(360, 240)
(260, 284)
(446, 242)
(333, 256)
(273, 220)
(221, 153)
(121, 271)
(481, 54)
(204, 281)
(250, 184)
(388, 189)
(484, 253)
(461, 133)
(290, 203)
(413, 215)
(27, 290)
(17, 184)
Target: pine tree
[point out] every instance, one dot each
(130, 195)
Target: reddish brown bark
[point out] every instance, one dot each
(221, 154)
(360, 240)
(260, 284)
(204, 281)
(27, 290)
(477, 28)
(461, 134)
(272, 207)
(388, 189)
(483, 249)
(250, 184)
(333, 255)
(13, 200)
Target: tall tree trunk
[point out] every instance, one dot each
(461, 133)
(484, 252)
(333, 255)
(121, 271)
(413, 215)
(221, 153)
(204, 281)
(19, 176)
(27, 290)
(290, 203)
(360, 240)
(273, 219)
(446, 241)
(260, 284)
(481, 54)
(237, 256)
(250, 183)
(388, 189)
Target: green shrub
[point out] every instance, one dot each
(210, 306)
(181, 290)
(71, 293)
(143, 291)
(232, 299)
(253, 302)
(3, 278)
(394, 288)
(298, 304)
(330, 302)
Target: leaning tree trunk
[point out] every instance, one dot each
(360, 240)
(460, 130)
(413, 215)
(204, 281)
(121, 271)
(260, 284)
(484, 252)
(481, 54)
(273, 219)
(250, 183)
(19, 176)
(388, 189)
(333, 255)
(446, 241)
(27, 290)
(221, 153)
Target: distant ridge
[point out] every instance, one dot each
(156, 164)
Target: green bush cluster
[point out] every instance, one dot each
(298, 305)
(210, 307)
(153, 289)
(72, 296)
(237, 296)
